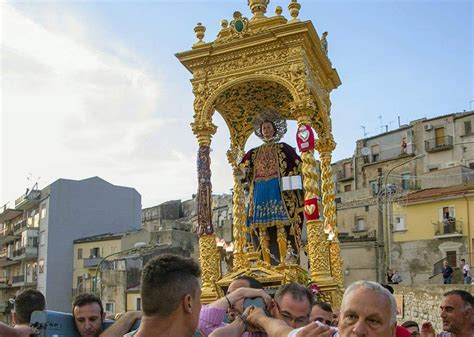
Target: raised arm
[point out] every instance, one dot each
(123, 325)
(277, 328)
(18, 331)
(235, 329)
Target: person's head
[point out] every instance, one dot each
(268, 129)
(242, 281)
(25, 303)
(368, 310)
(413, 327)
(321, 312)
(170, 290)
(292, 304)
(446, 263)
(88, 314)
(457, 311)
(463, 262)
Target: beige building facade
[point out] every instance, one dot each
(90, 255)
(384, 171)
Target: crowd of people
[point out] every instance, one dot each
(171, 306)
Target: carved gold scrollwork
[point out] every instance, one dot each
(209, 260)
(204, 132)
(303, 110)
(336, 259)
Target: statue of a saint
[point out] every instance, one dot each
(274, 212)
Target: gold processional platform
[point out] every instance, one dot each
(256, 65)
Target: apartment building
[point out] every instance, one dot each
(37, 234)
(384, 171)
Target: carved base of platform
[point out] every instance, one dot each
(331, 293)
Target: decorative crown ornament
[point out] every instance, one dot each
(239, 24)
(270, 115)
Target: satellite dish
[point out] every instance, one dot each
(365, 151)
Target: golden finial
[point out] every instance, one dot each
(258, 8)
(278, 10)
(294, 8)
(199, 30)
(224, 24)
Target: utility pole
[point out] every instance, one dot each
(380, 232)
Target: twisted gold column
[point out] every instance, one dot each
(318, 252)
(209, 257)
(317, 247)
(325, 147)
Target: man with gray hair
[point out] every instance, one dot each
(367, 310)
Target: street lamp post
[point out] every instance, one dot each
(387, 229)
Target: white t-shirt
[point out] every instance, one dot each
(466, 269)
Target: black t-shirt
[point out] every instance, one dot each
(447, 271)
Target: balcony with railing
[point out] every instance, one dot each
(27, 252)
(7, 234)
(92, 262)
(439, 144)
(389, 153)
(448, 228)
(4, 279)
(18, 280)
(19, 226)
(7, 214)
(6, 259)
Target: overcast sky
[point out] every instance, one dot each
(92, 88)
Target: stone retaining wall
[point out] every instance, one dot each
(422, 302)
